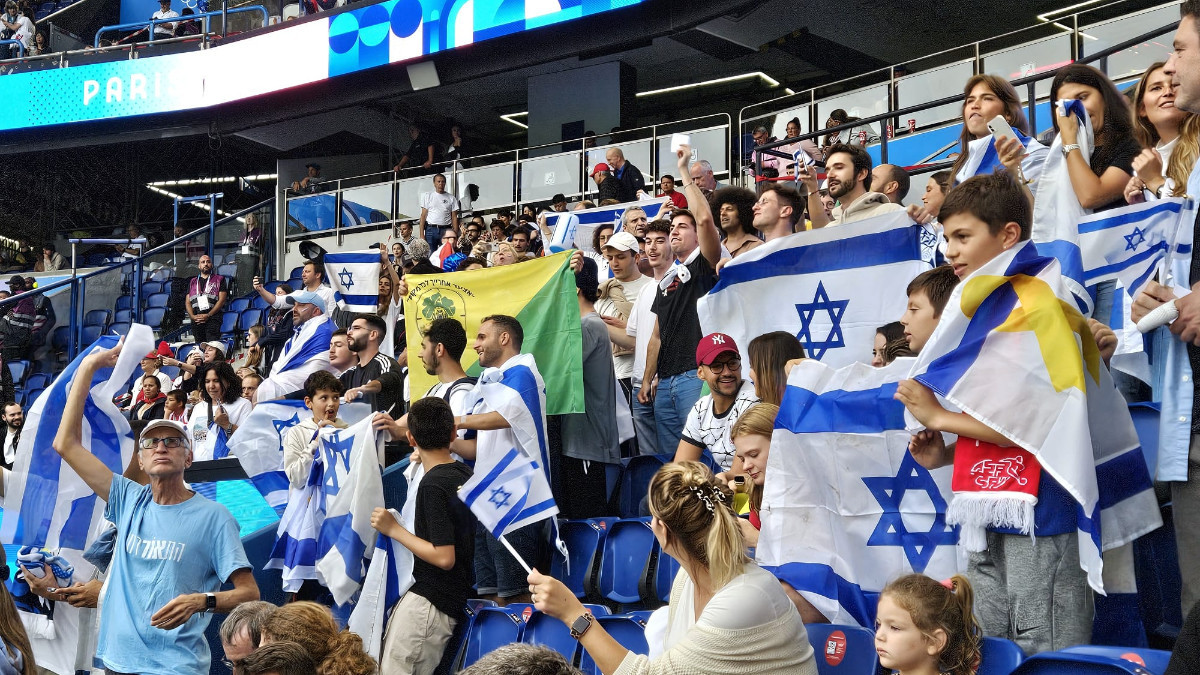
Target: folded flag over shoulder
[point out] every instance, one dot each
(831, 288)
(1013, 351)
(982, 158)
(512, 493)
(325, 532)
(354, 276)
(574, 229)
(846, 509)
(540, 293)
(1057, 211)
(49, 505)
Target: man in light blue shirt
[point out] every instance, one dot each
(1179, 433)
(174, 548)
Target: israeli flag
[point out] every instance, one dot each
(325, 532)
(354, 276)
(258, 444)
(512, 493)
(48, 504)
(1057, 211)
(846, 508)
(1130, 243)
(982, 158)
(574, 229)
(831, 287)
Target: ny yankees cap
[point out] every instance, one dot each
(713, 345)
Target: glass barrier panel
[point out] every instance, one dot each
(367, 205)
(408, 196)
(495, 183)
(543, 177)
(637, 152)
(1134, 60)
(707, 144)
(864, 102)
(98, 301)
(1030, 59)
(927, 86)
(311, 213)
(776, 123)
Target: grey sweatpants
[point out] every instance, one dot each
(1032, 591)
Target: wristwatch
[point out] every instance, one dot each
(581, 625)
(1066, 149)
(210, 602)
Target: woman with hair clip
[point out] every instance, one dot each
(1099, 182)
(1169, 136)
(987, 97)
(769, 354)
(726, 614)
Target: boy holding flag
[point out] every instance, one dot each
(1042, 432)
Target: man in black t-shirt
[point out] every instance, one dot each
(442, 541)
(670, 356)
(420, 152)
(363, 337)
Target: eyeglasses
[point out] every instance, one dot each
(733, 365)
(170, 442)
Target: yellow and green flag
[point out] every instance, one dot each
(539, 293)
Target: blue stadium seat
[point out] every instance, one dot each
(296, 272)
(170, 371)
(89, 335)
(257, 302)
(184, 351)
(1155, 660)
(665, 570)
(493, 627)
(627, 551)
(628, 630)
(18, 370)
(229, 258)
(123, 316)
(238, 305)
(153, 316)
(150, 288)
(97, 317)
(124, 302)
(38, 381)
(249, 317)
(157, 300)
(635, 480)
(1056, 663)
(229, 322)
(272, 285)
(31, 397)
(60, 338)
(585, 541)
(999, 656)
(845, 650)
(543, 629)
(120, 327)
(227, 271)
(167, 286)
(46, 7)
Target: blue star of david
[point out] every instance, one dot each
(821, 303)
(500, 497)
(281, 426)
(336, 448)
(347, 278)
(891, 530)
(1134, 239)
(929, 238)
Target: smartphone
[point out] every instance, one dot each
(1001, 129)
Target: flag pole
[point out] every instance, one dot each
(513, 551)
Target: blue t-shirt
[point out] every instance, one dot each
(161, 552)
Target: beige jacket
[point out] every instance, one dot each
(866, 206)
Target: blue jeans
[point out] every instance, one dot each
(675, 397)
(643, 426)
(433, 235)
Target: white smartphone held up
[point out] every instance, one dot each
(680, 140)
(1001, 129)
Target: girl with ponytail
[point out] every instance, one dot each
(926, 627)
(726, 615)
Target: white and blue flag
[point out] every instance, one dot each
(574, 229)
(512, 493)
(325, 532)
(258, 444)
(49, 505)
(1129, 244)
(846, 508)
(831, 287)
(354, 276)
(982, 158)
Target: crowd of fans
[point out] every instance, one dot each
(642, 349)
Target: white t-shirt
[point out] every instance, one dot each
(438, 207)
(641, 315)
(10, 448)
(709, 430)
(204, 431)
(25, 31)
(165, 28)
(623, 365)
(324, 291)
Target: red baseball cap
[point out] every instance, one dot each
(713, 345)
(598, 168)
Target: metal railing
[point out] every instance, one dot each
(20, 46)
(149, 24)
(884, 84)
(508, 179)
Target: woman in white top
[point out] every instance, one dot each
(1170, 139)
(221, 408)
(726, 616)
